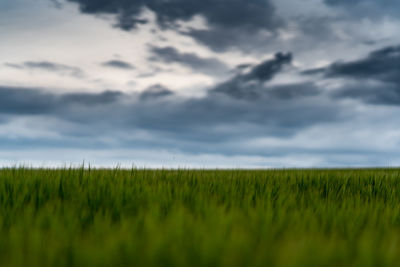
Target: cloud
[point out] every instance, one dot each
(222, 39)
(25, 101)
(236, 17)
(190, 125)
(252, 13)
(119, 64)
(28, 101)
(209, 66)
(154, 92)
(250, 84)
(374, 79)
(370, 8)
(50, 67)
(263, 109)
(13, 65)
(88, 99)
(375, 93)
(268, 69)
(383, 65)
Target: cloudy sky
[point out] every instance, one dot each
(189, 83)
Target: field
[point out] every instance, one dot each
(82, 217)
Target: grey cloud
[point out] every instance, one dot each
(243, 66)
(252, 14)
(234, 16)
(12, 65)
(277, 92)
(154, 92)
(209, 66)
(294, 91)
(380, 94)
(25, 101)
(233, 112)
(103, 98)
(119, 64)
(57, 4)
(50, 67)
(250, 84)
(370, 8)
(31, 101)
(221, 39)
(383, 65)
(187, 124)
(267, 69)
(374, 79)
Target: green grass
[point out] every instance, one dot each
(76, 217)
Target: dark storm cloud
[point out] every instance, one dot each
(370, 8)
(30, 101)
(229, 13)
(358, 2)
(250, 84)
(382, 65)
(187, 124)
(258, 91)
(374, 79)
(380, 94)
(103, 98)
(25, 101)
(268, 69)
(209, 66)
(232, 17)
(50, 67)
(119, 64)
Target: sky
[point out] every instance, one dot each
(200, 84)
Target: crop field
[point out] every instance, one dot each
(82, 217)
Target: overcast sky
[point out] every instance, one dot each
(189, 83)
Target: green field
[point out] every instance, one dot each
(77, 217)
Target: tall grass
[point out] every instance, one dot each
(77, 217)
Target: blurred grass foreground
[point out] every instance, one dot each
(81, 217)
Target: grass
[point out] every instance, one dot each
(77, 217)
